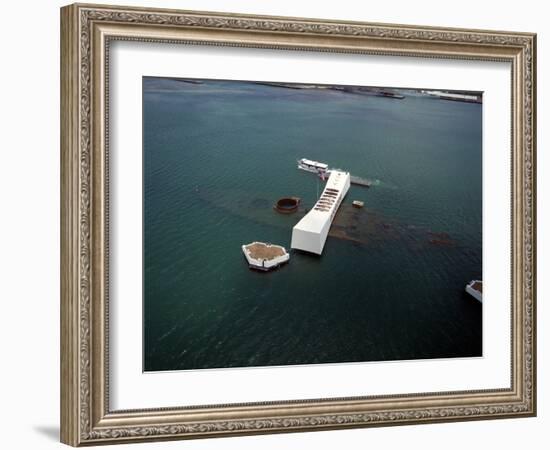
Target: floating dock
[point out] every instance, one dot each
(310, 233)
(359, 181)
(265, 257)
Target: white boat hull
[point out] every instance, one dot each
(309, 169)
(312, 166)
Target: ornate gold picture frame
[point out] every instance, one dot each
(87, 31)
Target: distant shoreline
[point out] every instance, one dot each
(372, 91)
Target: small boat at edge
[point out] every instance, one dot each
(475, 289)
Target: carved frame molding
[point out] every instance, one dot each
(86, 32)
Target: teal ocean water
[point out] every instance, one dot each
(390, 283)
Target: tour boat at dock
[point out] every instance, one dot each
(323, 171)
(312, 166)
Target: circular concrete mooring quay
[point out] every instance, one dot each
(287, 205)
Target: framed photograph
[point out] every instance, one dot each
(276, 224)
